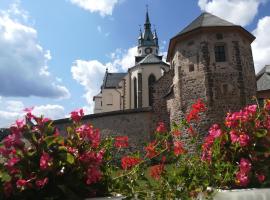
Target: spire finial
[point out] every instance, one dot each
(147, 21)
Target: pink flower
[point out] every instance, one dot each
(161, 128)
(20, 123)
(215, 131)
(244, 140)
(245, 165)
(40, 183)
(89, 133)
(45, 161)
(29, 114)
(77, 115)
(11, 162)
(234, 136)
(21, 183)
(242, 179)
(93, 175)
(12, 140)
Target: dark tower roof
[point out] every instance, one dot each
(206, 21)
(147, 37)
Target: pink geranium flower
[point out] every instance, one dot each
(45, 161)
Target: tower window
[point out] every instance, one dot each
(191, 67)
(151, 81)
(220, 53)
(219, 36)
(135, 92)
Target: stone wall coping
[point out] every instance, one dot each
(105, 114)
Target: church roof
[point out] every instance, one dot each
(263, 79)
(205, 20)
(150, 59)
(111, 80)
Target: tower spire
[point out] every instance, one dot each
(147, 20)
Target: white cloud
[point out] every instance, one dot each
(103, 7)
(261, 46)
(11, 110)
(50, 111)
(23, 61)
(14, 106)
(240, 12)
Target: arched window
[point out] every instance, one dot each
(151, 81)
(135, 92)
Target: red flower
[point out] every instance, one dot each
(77, 115)
(260, 177)
(11, 162)
(178, 148)
(156, 171)
(234, 136)
(45, 161)
(242, 179)
(244, 140)
(121, 141)
(245, 165)
(93, 175)
(176, 133)
(151, 150)
(21, 183)
(196, 108)
(128, 162)
(13, 140)
(161, 128)
(40, 183)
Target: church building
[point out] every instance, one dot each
(133, 89)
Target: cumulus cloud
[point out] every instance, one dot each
(103, 7)
(240, 12)
(261, 46)
(23, 61)
(11, 110)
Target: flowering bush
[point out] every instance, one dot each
(41, 164)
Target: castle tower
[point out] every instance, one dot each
(212, 60)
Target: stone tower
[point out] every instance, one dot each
(212, 60)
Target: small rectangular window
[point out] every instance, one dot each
(220, 53)
(191, 68)
(219, 36)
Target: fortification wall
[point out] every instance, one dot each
(137, 124)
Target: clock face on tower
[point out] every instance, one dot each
(148, 50)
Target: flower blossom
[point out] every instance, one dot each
(156, 171)
(21, 183)
(93, 175)
(178, 148)
(245, 165)
(161, 128)
(121, 141)
(196, 108)
(88, 132)
(242, 179)
(40, 183)
(128, 162)
(244, 140)
(77, 115)
(45, 161)
(260, 177)
(151, 150)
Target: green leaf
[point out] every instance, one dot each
(261, 133)
(4, 177)
(70, 158)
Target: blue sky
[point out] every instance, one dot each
(53, 54)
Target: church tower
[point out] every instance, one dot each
(148, 40)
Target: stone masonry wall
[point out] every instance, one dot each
(162, 94)
(224, 86)
(137, 124)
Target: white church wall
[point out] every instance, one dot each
(111, 100)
